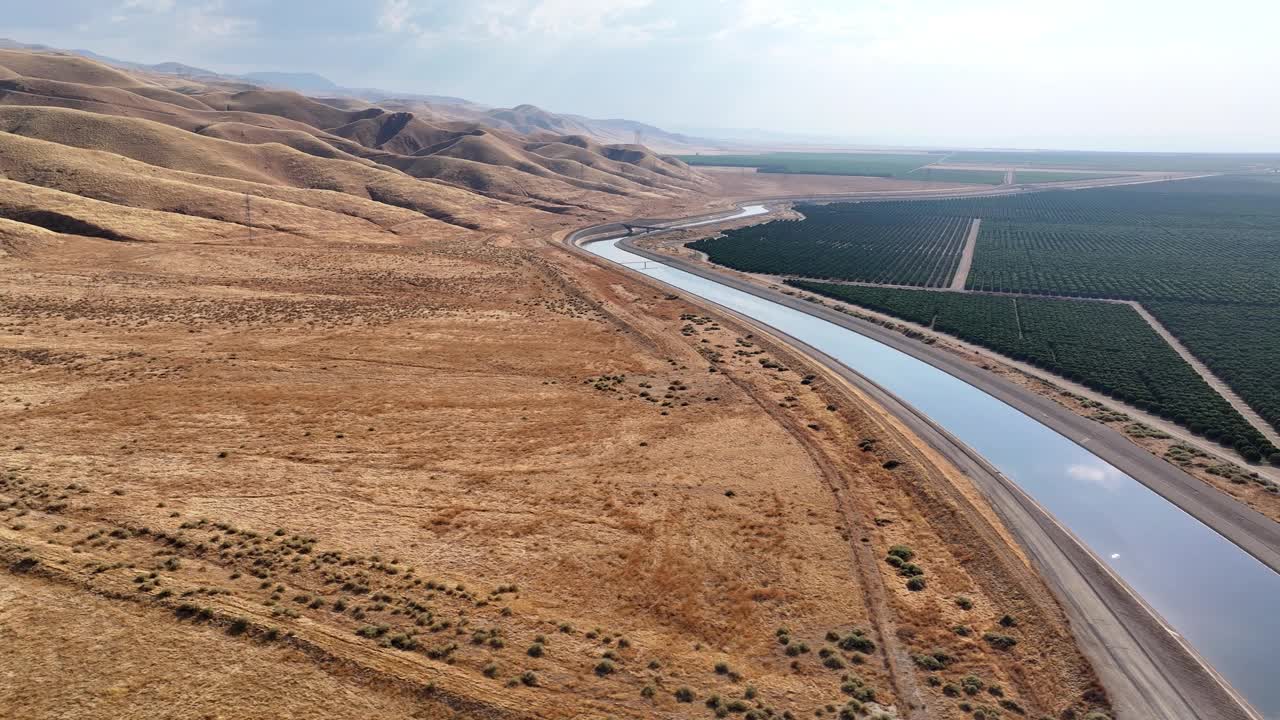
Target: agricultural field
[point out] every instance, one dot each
(889, 165)
(1048, 176)
(1202, 254)
(1106, 346)
(869, 242)
(1240, 343)
(957, 175)
(1208, 240)
(1168, 162)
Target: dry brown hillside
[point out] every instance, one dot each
(305, 414)
(508, 165)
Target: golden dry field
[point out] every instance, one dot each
(301, 421)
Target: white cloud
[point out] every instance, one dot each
(151, 6)
(396, 16)
(1104, 476)
(509, 20)
(198, 23)
(211, 18)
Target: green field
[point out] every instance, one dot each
(868, 164)
(1168, 162)
(847, 241)
(1043, 176)
(1240, 343)
(1203, 255)
(949, 175)
(1214, 240)
(1106, 346)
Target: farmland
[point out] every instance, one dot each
(1048, 176)
(1167, 162)
(1210, 240)
(957, 175)
(870, 164)
(1106, 346)
(870, 242)
(1240, 343)
(1203, 255)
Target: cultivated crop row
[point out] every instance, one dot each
(847, 244)
(1107, 347)
(1239, 343)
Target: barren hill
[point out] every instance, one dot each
(305, 415)
(280, 137)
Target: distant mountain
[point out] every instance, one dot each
(303, 82)
(522, 119)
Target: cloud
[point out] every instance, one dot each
(437, 21)
(150, 6)
(197, 22)
(1104, 476)
(212, 18)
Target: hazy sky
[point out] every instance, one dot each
(1113, 74)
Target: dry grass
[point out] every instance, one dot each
(361, 464)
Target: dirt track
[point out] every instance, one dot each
(966, 257)
(1142, 664)
(1207, 375)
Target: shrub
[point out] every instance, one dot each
(834, 662)
(1008, 621)
(604, 667)
(910, 570)
(490, 670)
(964, 603)
(647, 691)
(933, 660)
(535, 650)
(851, 710)
(901, 552)
(1000, 642)
(1012, 707)
(916, 584)
(528, 678)
(858, 690)
(402, 641)
(927, 662)
(972, 684)
(857, 641)
(684, 695)
(722, 668)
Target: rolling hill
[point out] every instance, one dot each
(157, 142)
